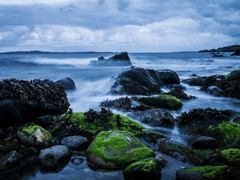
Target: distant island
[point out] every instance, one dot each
(232, 48)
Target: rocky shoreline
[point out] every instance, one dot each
(39, 129)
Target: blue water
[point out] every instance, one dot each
(94, 83)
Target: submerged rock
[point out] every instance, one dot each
(34, 135)
(116, 150)
(74, 142)
(54, 157)
(204, 142)
(154, 117)
(139, 81)
(203, 173)
(22, 101)
(148, 168)
(67, 83)
(197, 121)
(121, 59)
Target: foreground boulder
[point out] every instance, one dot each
(67, 83)
(121, 59)
(203, 173)
(22, 101)
(139, 81)
(54, 157)
(149, 168)
(116, 150)
(154, 117)
(197, 121)
(34, 135)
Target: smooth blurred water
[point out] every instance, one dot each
(94, 83)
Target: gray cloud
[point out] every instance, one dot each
(105, 25)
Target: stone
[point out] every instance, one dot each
(116, 150)
(54, 157)
(154, 117)
(139, 81)
(67, 83)
(74, 142)
(205, 142)
(34, 135)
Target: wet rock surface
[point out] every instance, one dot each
(67, 83)
(197, 121)
(74, 142)
(21, 101)
(139, 81)
(154, 117)
(54, 157)
(219, 85)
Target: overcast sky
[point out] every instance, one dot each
(118, 25)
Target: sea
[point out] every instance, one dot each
(94, 83)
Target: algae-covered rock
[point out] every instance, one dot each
(94, 122)
(34, 135)
(203, 173)
(234, 75)
(228, 133)
(148, 168)
(162, 101)
(231, 156)
(116, 150)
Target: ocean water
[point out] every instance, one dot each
(94, 83)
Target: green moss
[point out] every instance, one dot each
(228, 132)
(31, 129)
(146, 165)
(208, 172)
(125, 124)
(162, 101)
(118, 147)
(233, 75)
(231, 156)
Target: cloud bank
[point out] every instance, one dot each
(118, 25)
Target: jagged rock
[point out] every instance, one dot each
(22, 101)
(154, 117)
(197, 121)
(139, 81)
(121, 59)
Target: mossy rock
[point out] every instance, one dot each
(162, 101)
(115, 122)
(116, 149)
(145, 169)
(234, 75)
(231, 156)
(228, 133)
(203, 173)
(34, 135)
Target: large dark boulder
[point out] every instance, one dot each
(121, 59)
(139, 81)
(67, 83)
(22, 101)
(197, 121)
